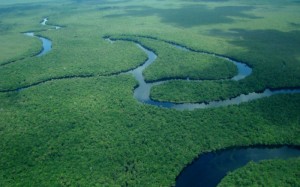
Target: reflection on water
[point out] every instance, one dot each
(210, 168)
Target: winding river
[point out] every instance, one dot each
(46, 44)
(209, 168)
(142, 92)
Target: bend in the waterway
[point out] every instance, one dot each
(209, 168)
(142, 91)
(44, 22)
(46, 43)
(207, 161)
(243, 68)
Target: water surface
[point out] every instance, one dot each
(210, 168)
(142, 92)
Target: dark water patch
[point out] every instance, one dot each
(210, 168)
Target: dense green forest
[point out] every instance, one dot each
(176, 63)
(77, 122)
(190, 91)
(265, 173)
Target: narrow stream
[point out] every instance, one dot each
(46, 44)
(209, 168)
(142, 92)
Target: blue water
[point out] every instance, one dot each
(46, 44)
(210, 168)
(142, 92)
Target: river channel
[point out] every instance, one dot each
(209, 168)
(142, 92)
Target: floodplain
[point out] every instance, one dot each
(70, 117)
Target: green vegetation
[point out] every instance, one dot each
(265, 173)
(176, 63)
(82, 62)
(92, 132)
(95, 133)
(20, 43)
(180, 91)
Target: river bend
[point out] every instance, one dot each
(209, 168)
(142, 92)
